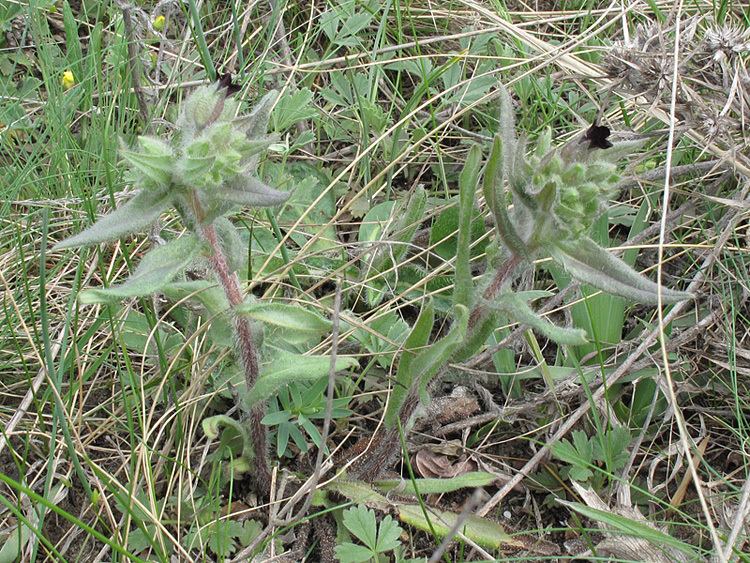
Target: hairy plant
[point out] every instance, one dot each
(204, 173)
(553, 196)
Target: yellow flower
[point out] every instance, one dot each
(159, 23)
(68, 80)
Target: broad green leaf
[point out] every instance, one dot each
(286, 368)
(295, 324)
(588, 262)
(632, 528)
(515, 306)
(14, 543)
(444, 232)
(136, 214)
(436, 486)
(156, 270)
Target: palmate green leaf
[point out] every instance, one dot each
(133, 216)
(293, 323)
(286, 368)
(588, 262)
(156, 270)
(515, 306)
(293, 108)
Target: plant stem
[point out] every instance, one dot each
(248, 356)
(382, 451)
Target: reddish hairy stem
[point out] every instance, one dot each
(248, 356)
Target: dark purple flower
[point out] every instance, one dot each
(225, 81)
(596, 136)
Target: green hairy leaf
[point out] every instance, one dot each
(590, 263)
(468, 181)
(487, 534)
(516, 307)
(133, 216)
(250, 191)
(286, 368)
(436, 486)
(293, 323)
(156, 270)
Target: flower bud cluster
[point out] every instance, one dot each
(577, 180)
(557, 192)
(211, 163)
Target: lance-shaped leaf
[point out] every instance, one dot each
(516, 306)
(429, 362)
(293, 323)
(590, 263)
(286, 368)
(156, 270)
(250, 191)
(631, 527)
(406, 227)
(135, 215)
(467, 182)
(472, 480)
(417, 340)
(494, 193)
